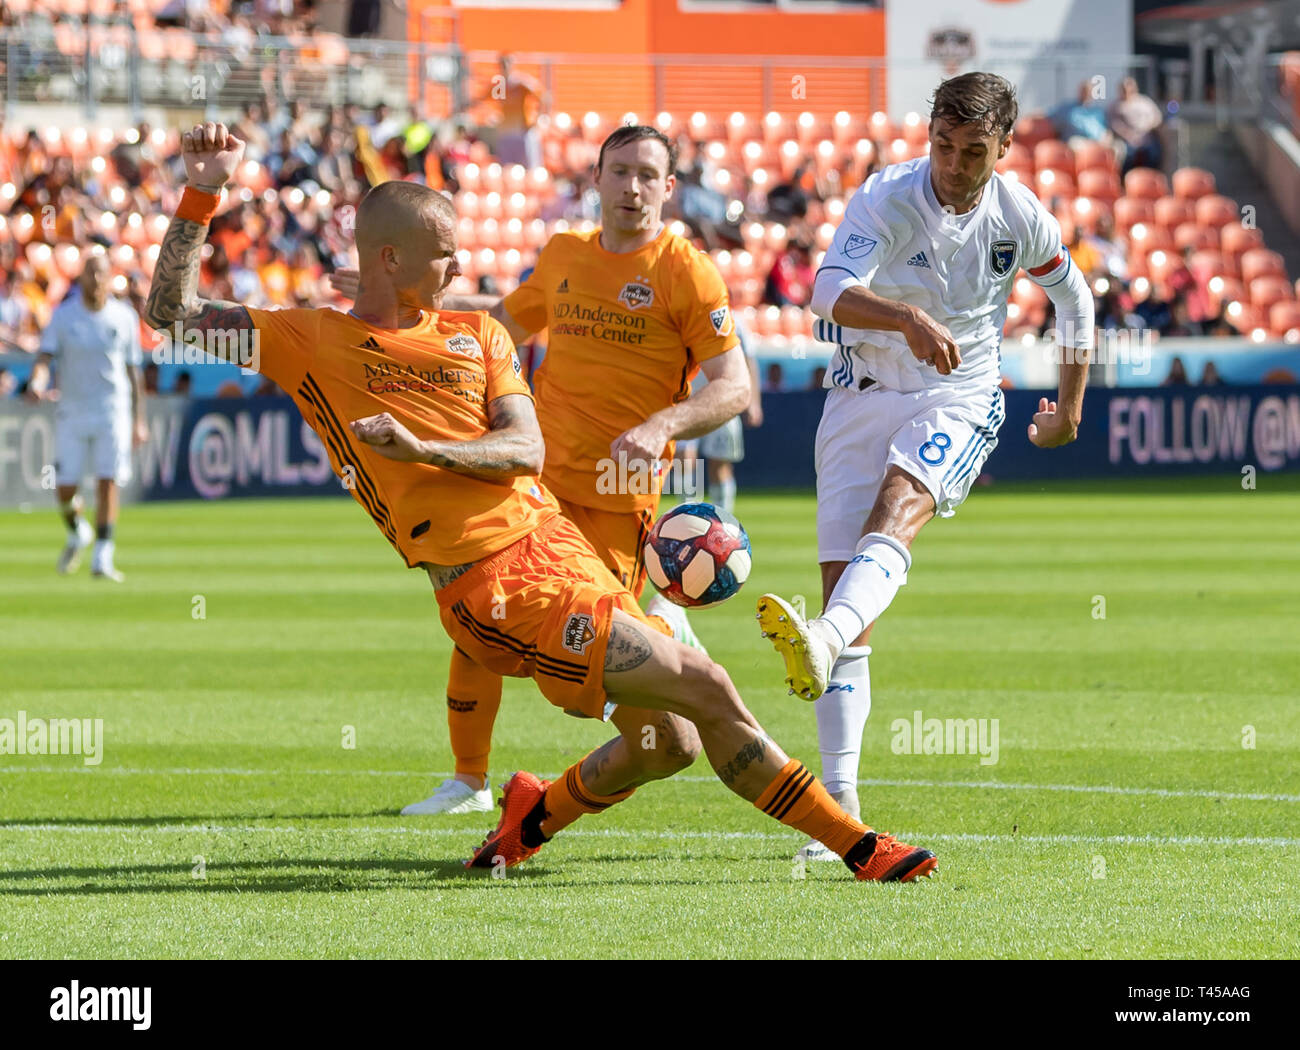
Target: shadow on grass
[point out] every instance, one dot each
(312, 875)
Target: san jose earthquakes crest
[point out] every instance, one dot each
(1002, 257)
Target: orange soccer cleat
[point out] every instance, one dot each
(522, 792)
(882, 858)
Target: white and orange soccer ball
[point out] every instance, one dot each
(697, 555)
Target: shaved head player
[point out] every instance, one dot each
(428, 412)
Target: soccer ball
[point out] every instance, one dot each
(697, 555)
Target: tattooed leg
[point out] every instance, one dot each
(652, 671)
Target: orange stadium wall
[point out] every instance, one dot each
(661, 28)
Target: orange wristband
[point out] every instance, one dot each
(197, 206)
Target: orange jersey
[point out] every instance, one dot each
(435, 378)
(627, 334)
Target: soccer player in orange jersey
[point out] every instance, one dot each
(633, 310)
(425, 408)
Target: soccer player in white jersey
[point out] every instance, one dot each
(914, 290)
(94, 340)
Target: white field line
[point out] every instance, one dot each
(978, 785)
(619, 833)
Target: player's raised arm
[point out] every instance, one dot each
(212, 155)
(511, 447)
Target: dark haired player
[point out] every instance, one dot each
(914, 291)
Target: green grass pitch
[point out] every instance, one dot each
(1125, 817)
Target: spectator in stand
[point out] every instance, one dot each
(1081, 121)
(1210, 375)
(1180, 319)
(1135, 119)
(791, 279)
(774, 379)
(149, 376)
(788, 201)
(521, 99)
(182, 384)
(1177, 373)
(8, 384)
(818, 378)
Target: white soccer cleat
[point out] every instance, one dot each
(675, 615)
(71, 556)
(453, 797)
(806, 646)
(816, 851)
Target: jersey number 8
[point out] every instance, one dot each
(940, 443)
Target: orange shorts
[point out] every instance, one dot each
(619, 538)
(541, 609)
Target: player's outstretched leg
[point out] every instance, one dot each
(651, 745)
(649, 670)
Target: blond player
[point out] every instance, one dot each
(426, 409)
(633, 311)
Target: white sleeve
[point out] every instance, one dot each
(861, 243)
(50, 334)
(1068, 289)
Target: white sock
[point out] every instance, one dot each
(726, 497)
(868, 585)
(842, 716)
(103, 553)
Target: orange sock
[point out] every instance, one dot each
(798, 799)
(568, 798)
(473, 699)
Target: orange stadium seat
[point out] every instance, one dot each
(1086, 212)
(1205, 264)
(1032, 130)
(1224, 290)
(1148, 237)
(1053, 153)
(1054, 182)
(1146, 183)
(1283, 316)
(1098, 183)
(1189, 236)
(1132, 210)
(1237, 239)
(1265, 291)
(1260, 262)
(882, 128)
(1018, 155)
(1193, 183)
(915, 129)
(1161, 265)
(1243, 317)
(1174, 211)
(1093, 156)
(1215, 210)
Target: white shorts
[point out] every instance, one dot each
(940, 436)
(100, 443)
(726, 444)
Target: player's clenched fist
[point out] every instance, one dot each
(931, 343)
(389, 438)
(1051, 427)
(211, 154)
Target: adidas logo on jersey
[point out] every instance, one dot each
(371, 344)
(919, 259)
(564, 287)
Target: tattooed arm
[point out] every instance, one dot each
(511, 447)
(211, 155)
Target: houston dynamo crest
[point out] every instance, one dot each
(1002, 257)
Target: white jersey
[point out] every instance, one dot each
(91, 350)
(898, 241)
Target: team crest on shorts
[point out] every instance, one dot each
(721, 319)
(1002, 256)
(465, 344)
(578, 633)
(858, 246)
(636, 295)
